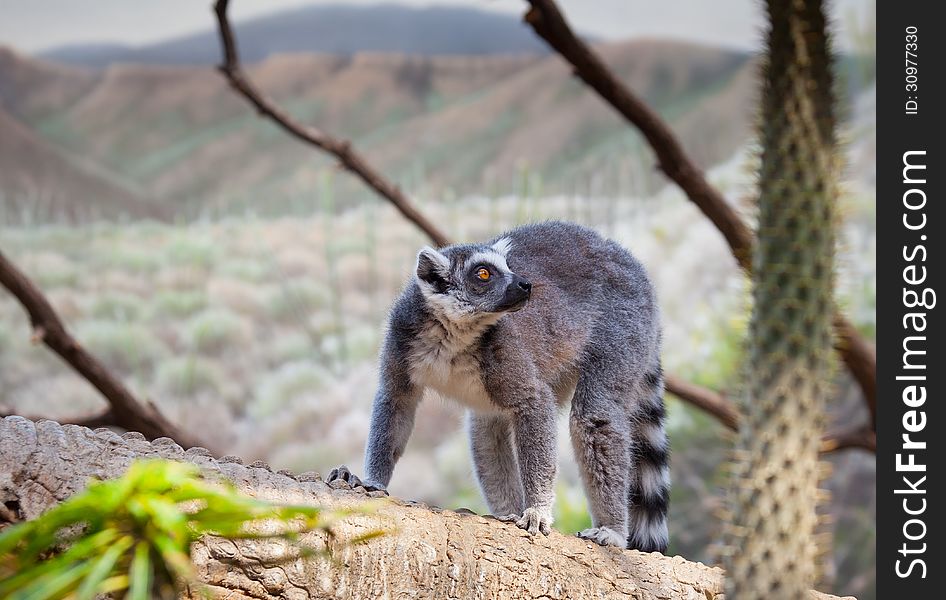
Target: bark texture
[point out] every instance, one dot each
(431, 553)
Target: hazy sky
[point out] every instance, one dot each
(33, 25)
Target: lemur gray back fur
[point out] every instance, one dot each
(513, 329)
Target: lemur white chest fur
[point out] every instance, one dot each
(443, 359)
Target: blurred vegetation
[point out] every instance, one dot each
(134, 534)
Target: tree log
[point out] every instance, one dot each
(430, 552)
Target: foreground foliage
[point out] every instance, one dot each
(134, 534)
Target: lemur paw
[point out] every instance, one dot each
(603, 536)
(342, 473)
(535, 520)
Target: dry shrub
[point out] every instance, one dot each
(187, 375)
(126, 348)
(298, 261)
(215, 330)
(237, 295)
(49, 269)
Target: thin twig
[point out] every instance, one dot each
(862, 437)
(127, 412)
(860, 358)
(341, 149)
(715, 404)
(725, 412)
(546, 19)
(706, 399)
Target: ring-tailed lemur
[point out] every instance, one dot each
(513, 329)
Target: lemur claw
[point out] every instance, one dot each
(342, 473)
(603, 536)
(535, 520)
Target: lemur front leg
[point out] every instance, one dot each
(497, 469)
(392, 420)
(534, 428)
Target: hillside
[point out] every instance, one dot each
(332, 29)
(472, 124)
(39, 180)
(31, 88)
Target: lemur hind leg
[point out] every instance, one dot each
(601, 436)
(497, 468)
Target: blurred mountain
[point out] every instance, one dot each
(469, 124)
(89, 54)
(31, 88)
(41, 181)
(333, 29)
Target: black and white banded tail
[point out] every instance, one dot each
(650, 473)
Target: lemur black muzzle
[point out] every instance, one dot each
(517, 294)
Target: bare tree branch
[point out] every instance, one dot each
(548, 22)
(705, 399)
(860, 357)
(859, 437)
(126, 411)
(727, 413)
(342, 149)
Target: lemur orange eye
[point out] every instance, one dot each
(482, 273)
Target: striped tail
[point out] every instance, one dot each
(650, 472)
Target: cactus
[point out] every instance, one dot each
(773, 548)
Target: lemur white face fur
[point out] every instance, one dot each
(471, 283)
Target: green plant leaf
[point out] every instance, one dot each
(12, 536)
(79, 551)
(140, 574)
(114, 584)
(167, 516)
(45, 532)
(176, 558)
(102, 568)
(52, 584)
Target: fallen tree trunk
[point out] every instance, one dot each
(431, 553)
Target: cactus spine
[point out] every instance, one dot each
(772, 544)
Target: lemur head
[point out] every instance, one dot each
(471, 282)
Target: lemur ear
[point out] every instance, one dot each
(503, 246)
(432, 266)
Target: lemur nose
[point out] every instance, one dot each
(525, 286)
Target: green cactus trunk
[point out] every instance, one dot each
(772, 542)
